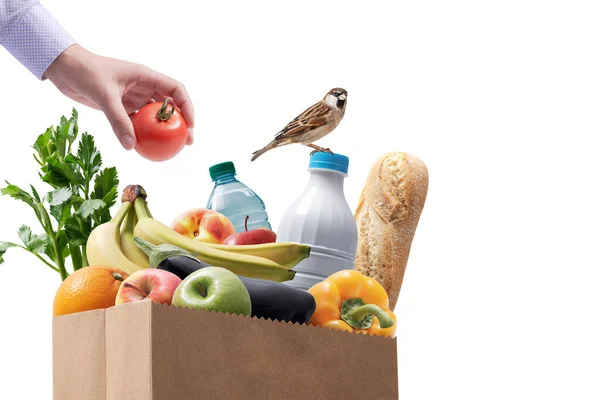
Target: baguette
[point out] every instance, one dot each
(387, 216)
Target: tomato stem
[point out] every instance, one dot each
(246, 222)
(162, 113)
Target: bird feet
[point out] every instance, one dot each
(321, 150)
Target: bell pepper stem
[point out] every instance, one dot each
(385, 321)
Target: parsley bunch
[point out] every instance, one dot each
(81, 196)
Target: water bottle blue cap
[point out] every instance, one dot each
(226, 167)
(333, 162)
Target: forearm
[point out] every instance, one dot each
(31, 34)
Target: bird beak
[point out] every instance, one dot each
(342, 97)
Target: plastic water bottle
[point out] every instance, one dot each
(321, 217)
(235, 200)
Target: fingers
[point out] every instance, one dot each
(159, 97)
(169, 87)
(120, 121)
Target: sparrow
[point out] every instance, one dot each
(313, 124)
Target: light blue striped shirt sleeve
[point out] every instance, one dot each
(31, 34)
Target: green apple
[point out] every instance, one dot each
(213, 288)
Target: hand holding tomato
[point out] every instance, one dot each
(116, 87)
(160, 130)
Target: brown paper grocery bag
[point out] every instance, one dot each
(159, 352)
(79, 356)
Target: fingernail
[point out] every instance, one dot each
(190, 137)
(127, 142)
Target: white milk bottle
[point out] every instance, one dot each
(321, 218)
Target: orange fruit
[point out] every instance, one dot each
(88, 288)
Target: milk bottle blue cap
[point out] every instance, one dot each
(333, 162)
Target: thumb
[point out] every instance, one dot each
(119, 120)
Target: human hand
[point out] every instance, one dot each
(116, 87)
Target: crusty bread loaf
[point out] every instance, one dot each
(387, 216)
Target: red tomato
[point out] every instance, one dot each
(161, 131)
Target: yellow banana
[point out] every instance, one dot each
(130, 249)
(288, 255)
(240, 264)
(104, 244)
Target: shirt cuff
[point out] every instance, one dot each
(36, 40)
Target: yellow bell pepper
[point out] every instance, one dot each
(352, 302)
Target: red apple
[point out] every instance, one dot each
(204, 225)
(255, 236)
(154, 284)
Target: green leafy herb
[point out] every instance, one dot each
(5, 246)
(34, 243)
(81, 196)
(59, 196)
(87, 208)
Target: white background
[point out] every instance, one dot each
(500, 99)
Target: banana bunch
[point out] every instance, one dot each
(112, 244)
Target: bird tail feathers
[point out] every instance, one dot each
(262, 151)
